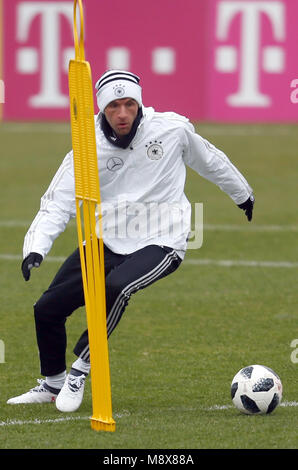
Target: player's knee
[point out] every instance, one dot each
(40, 311)
(117, 291)
(114, 286)
(44, 310)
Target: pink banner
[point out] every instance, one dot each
(219, 60)
(254, 60)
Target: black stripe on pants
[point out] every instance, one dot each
(125, 275)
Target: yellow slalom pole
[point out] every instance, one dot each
(87, 193)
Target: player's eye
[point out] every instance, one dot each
(130, 103)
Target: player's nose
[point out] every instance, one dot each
(122, 112)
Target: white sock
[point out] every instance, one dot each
(56, 381)
(81, 365)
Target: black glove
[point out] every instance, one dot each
(248, 206)
(32, 260)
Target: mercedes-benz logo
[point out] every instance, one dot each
(114, 164)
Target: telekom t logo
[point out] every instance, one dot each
(250, 60)
(47, 57)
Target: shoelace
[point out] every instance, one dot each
(40, 387)
(75, 383)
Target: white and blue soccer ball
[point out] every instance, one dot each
(256, 390)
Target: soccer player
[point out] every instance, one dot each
(142, 169)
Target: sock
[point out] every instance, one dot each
(80, 366)
(55, 382)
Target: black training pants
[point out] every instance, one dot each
(125, 275)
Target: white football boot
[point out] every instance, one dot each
(38, 394)
(71, 395)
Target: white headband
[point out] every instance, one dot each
(117, 84)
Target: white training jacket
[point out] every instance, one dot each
(142, 187)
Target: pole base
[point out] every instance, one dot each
(97, 424)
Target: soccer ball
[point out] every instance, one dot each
(256, 389)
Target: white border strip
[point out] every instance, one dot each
(214, 129)
(18, 422)
(24, 223)
(285, 404)
(227, 263)
(224, 263)
(243, 130)
(250, 228)
(208, 227)
(36, 127)
(50, 259)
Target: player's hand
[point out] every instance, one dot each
(33, 260)
(248, 206)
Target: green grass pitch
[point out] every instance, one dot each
(180, 341)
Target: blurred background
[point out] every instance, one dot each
(212, 60)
